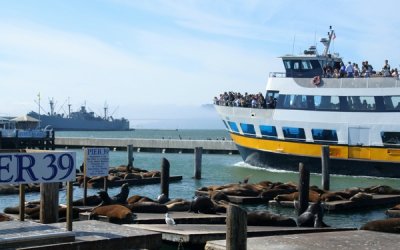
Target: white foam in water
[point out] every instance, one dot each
(243, 164)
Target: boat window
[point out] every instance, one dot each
(293, 133)
(233, 127)
(326, 102)
(268, 131)
(391, 102)
(324, 135)
(306, 65)
(226, 125)
(248, 128)
(390, 138)
(361, 103)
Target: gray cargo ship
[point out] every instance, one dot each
(81, 120)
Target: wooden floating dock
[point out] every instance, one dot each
(201, 233)
(358, 239)
(95, 235)
(151, 145)
(179, 217)
(136, 182)
(17, 234)
(377, 200)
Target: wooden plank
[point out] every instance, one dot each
(17, 234)
(201, 233)
(131, 182)
(357, 239)
(377, 200)
(179, 217)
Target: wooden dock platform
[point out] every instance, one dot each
(18, 234)
(179, 217)
(377, 200)
(357, 239)
(95, 235)
(201, 233)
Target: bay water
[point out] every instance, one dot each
(217, 169)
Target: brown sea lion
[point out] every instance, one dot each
(5, 217)
(391, 225)
(265, 218)
(218, 196)
(360, 196)
(331, 196)
(178, 205)
(382, 189)
(148, 207)
(240, 190)
(312, 196)
(138, 198)
(397, 207)
(115, 213)
(92, 200)
(272, 193)
(132, 176)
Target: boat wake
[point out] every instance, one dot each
(243, 164)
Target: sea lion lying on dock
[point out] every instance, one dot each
(312, 196)
(312, 217)
(179, 205)
(92, 200)
(147, 207)
(5, 217)
(361, 196)
(115, 213)
(382, 189)
(265, 218)
(272, 193)
(391, 225)
(138, 198)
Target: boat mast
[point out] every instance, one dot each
(51, 106)
(327, 43)
(105, 111)
(69, 108)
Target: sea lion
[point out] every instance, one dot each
(382, 189)
(132, 176)
(240, 190)
(397, 207)
(312, 196)
(331, 196)
(202, 204)
(92, 200)
(272, 193)
(391, 225)
(147, 207)
(115, 213)
(138, 198)
(178, 205)
(360, 196)
(218, 196)
(5, 217)
(312, 217)
(117, 199)
(265, 218)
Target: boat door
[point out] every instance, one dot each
(358, 143)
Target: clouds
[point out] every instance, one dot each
(164, 53)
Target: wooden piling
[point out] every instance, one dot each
(325, 167)
(198, 152)
(49, 202)
(236, 228)
(165, 177)
(304, 185)
(21, 202)
(130, 154)
(69, 205)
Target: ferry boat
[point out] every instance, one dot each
(305, 108)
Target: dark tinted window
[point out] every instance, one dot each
(326, 102)
(293, 133)
(324, 135)
(390, 138)
(361, 103)
(391, 102)
(234, 127)
(248, 128)
(268, 131)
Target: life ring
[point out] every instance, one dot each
(316, 80)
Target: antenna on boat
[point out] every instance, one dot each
(327, 42)
(69, 108)
(294, 40)
(105, 110)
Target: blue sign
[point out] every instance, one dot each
(37, 167)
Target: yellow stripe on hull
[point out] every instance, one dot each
(314, 149)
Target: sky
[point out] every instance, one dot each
(158, 62)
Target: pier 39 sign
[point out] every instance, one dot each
(37, 167)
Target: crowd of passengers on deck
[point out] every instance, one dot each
(236, 99)
(352, 70)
